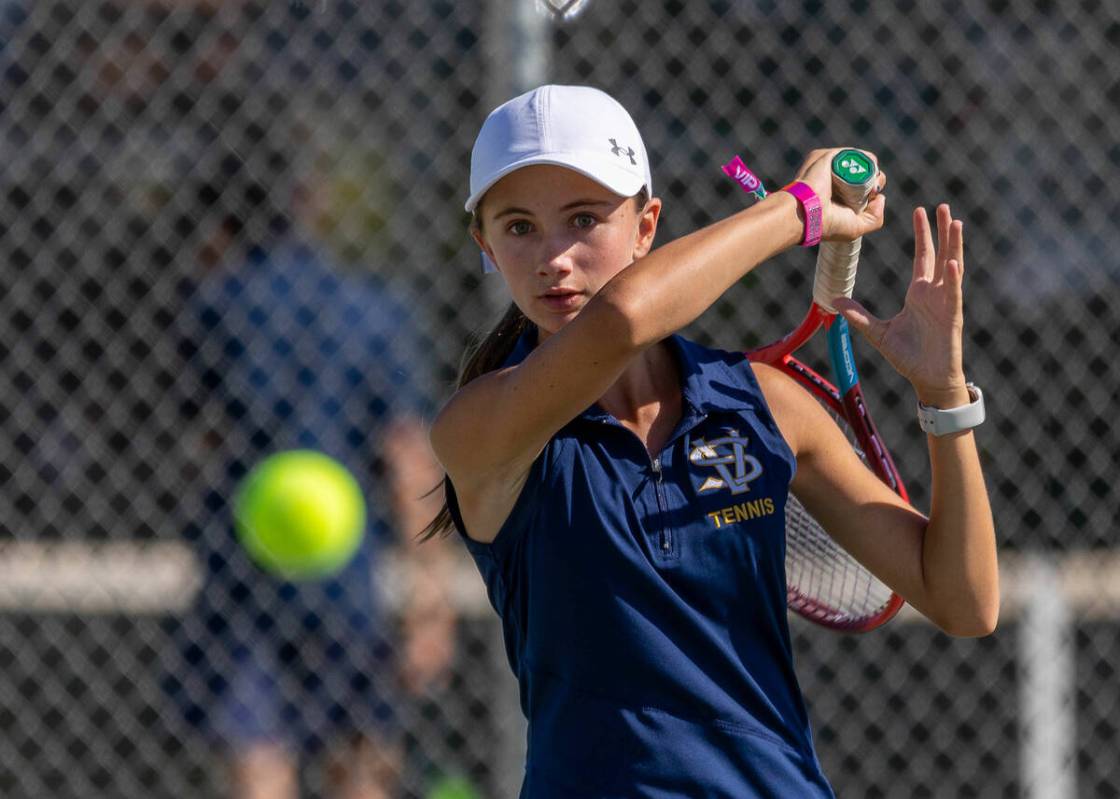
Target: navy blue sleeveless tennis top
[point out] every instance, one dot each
(643, 602)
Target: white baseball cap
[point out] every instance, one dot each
(577, 127)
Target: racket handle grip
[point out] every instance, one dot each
(853, 177)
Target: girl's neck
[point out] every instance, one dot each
(646, 398)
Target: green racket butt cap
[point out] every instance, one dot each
(853, 167)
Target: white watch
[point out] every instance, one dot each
(938, 422)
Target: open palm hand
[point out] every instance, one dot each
(923, 341)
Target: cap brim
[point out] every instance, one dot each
(605, 171)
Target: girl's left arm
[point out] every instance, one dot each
(945, 566)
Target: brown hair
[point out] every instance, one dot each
(482, 357)
(486, 356)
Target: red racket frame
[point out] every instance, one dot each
(851, 407)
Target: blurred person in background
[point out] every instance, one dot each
(283, 346)
(287, 351)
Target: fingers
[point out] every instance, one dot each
(840, 221)
(871, 327)
(878, 189)
(814, 159)
(956, 243)
(818, 164)
(953, 286)
(944, 222)
(876, 209)
(954, 272)
(954, 280)
(923, 246)
(950, 242)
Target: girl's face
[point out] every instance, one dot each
(557, 237)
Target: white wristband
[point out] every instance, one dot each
(938, 422)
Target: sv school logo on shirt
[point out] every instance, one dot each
(734, 468)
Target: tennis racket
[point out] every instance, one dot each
(824, 583)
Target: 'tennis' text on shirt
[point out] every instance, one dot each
(742, 512)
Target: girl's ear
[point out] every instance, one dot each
(476, 234)
(490, 265)
(647, 227)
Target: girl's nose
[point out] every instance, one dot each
(558, 258)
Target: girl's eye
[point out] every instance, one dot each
(520, 227)
(583, 220)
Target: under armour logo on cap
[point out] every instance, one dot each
(617, 150)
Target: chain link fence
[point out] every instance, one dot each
(234, 228)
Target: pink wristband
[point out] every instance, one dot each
(811, 206)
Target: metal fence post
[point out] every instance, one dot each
(1047, 699)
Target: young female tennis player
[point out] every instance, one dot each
(646, 626)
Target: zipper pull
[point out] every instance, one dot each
(666, 538)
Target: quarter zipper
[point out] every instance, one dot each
(666, 534)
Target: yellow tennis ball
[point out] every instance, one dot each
(300, 514)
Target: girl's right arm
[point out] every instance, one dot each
(491, 431)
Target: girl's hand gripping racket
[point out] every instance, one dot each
(824, 583)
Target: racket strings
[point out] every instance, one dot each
(823, 581)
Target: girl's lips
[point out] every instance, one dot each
(562, 301)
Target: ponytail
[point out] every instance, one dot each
(485, 356)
